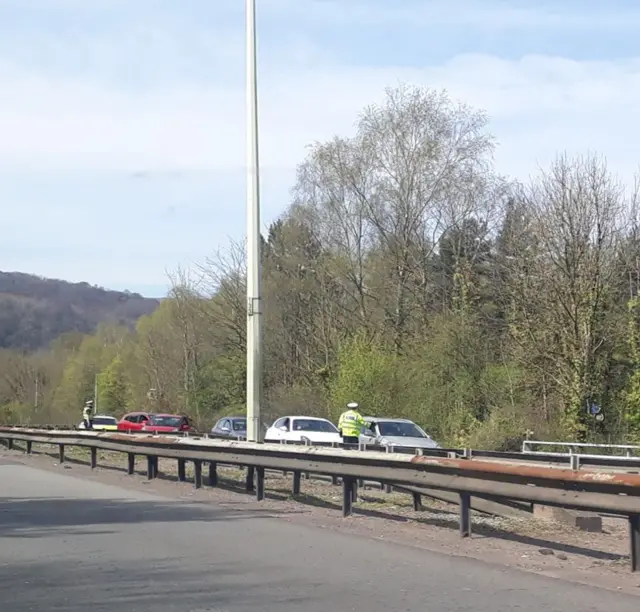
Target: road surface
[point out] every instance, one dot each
(79, 545)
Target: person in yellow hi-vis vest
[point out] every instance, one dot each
(86, 414)
(350, 424)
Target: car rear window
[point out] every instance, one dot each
(314, 425)
(166, 421)
(104, 421)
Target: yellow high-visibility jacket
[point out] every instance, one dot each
(351, 423)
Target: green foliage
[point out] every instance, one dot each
(221, 384)
(366, 374)
(112, 388)
(407, 275)
(16, 413)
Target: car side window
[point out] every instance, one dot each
(131, 418)
(286, 423)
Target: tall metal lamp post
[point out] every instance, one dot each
(254, 298)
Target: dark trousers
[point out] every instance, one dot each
(87, 424)
(350, 439)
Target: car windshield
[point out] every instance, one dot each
(399, 429)
(314, 425)
(104, 421)
(166, 421)
(239, 425)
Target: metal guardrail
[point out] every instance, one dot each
(570, 459)
(574, 448)
(615, 493)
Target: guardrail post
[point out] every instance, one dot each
(465, 515)
(249, 485)
(260, 483)
(10, 443)
(213, 474)
(347, 496)
(152, 467)
(574, 462)
(131, 463)
(354, 489)
(61, 453)
(94, 457)
(634, 541)
(182, 476)
(197, 473)
(29, 445)
(387, 487)
(417, 502)
(334, 480)
(296, 483)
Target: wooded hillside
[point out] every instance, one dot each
(406, 274)
(36, 310)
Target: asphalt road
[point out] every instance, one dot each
(78, 545)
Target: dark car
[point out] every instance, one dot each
(167, 423)
(233, 428)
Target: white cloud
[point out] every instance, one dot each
(80, 115)
(490, 14)
(78, 124)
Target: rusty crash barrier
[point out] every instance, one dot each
(607, 492)
(574, 461)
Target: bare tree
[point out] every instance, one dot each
(223, 281)
(577, 209)
(380, 198)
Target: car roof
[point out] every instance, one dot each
(233, 418)
(165, 414)
(301, 416)
(386, 419)
(104, 416)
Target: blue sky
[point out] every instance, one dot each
(122, 121)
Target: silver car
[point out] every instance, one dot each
(234, 427)
(395, 432)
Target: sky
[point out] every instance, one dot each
(122, 134)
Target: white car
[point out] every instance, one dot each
(302, 429)
(396, 432)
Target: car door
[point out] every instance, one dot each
(225, 428)
(369, 434)
(135, 421)
(280, 430)
(124, 424)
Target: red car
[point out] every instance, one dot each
(167, 423)
(134, 421)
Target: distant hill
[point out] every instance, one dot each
(35, 310)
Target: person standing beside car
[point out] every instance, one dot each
(86, 414)
(350, 424)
